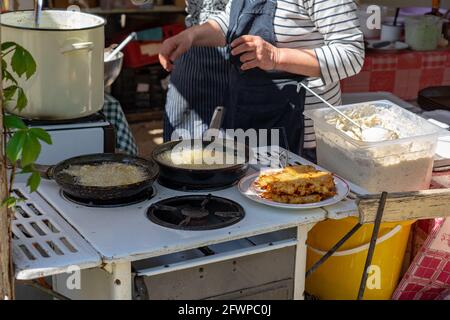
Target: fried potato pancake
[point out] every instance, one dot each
(297, 185)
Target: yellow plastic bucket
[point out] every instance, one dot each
(340, 276)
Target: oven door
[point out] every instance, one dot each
(241, 269)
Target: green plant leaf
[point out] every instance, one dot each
(34, 181)
(41, 134)
(7, 45)
(13, 122)
(7, 76)
(18, 63)
(31, 150)
(31, 65)
(22, 62)
(15, 145)
(9, 92)
(9, 202)
(27, 169)
(22, 100)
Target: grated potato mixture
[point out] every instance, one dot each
(106, 174)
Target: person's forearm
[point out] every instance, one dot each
(298, 61)
(208, 34)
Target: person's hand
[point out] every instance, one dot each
(175, 47)
(255, 53)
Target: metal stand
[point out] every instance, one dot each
(333, 250)
(372, 246)
(373, 243)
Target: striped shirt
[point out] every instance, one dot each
(331, 28)
(199, 11)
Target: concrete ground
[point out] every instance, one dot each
(148, 135)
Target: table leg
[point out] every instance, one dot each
(300, 262)
(121, 286)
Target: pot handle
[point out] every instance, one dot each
(73, 47)
(46, 172)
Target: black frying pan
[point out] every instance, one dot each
(70, 186)
(193, 179)
(434, 98)
(183, 178)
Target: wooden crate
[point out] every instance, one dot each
(65, 3)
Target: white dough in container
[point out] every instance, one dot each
(402, 164)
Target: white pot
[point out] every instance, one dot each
(68, 49)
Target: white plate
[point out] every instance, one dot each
(247, 188)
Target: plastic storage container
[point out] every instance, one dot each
(423, 32)
(404, 164)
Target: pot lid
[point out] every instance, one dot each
(52, 20)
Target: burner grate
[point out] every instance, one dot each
(196, 213)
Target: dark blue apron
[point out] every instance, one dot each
(261, 99)
(197, 86)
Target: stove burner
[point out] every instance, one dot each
(116, 203)
(196, 213)
(192, 188)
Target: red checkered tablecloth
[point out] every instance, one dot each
(403, 74)
(428, 277)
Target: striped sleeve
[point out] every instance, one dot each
(223, 18)
(342, 55)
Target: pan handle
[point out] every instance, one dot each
(46, 172)
(217, 119)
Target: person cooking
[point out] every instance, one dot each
(200, 79)
(273, 46)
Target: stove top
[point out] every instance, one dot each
(196, 213)
(126, 234)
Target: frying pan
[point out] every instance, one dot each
(434, 98)
(192, 179)
(69, 185)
